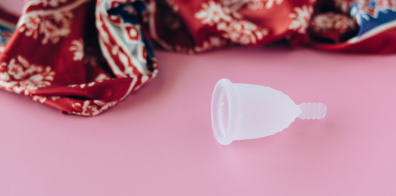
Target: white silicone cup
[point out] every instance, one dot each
(247, 111)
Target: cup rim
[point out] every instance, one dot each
(227, 136)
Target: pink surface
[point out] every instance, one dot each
(159, 141)
(12, 6)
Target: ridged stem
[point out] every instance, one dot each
(312, 110)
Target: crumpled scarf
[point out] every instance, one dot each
(83, 57)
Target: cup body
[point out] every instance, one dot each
(246, 111)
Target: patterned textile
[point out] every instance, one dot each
(84, 56)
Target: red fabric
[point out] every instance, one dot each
(190, 26)
(54, 58)
(82, 56)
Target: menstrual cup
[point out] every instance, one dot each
(248, 111)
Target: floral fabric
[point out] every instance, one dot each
(84, 56)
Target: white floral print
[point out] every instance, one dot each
(92, 108)
(230, 23)
(300, 18)
(327, 22)
(213, 42)
(213, 13)
(242, 32)
(40, 99)
(89, 110)
(31, 25)
(77, 46)
(102, 77)
(21, 77)
(45, 3)
(52, 26)
(15, 70)
(251, 4)
(54, 98)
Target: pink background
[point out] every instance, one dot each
(159, 141)
(12, 6)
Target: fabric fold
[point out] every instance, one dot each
(63, 56)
